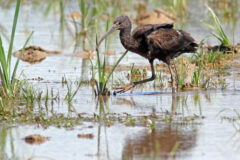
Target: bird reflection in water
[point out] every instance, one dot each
(160, 143)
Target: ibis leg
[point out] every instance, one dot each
(173, 76)
(149, 79)
(127, 87)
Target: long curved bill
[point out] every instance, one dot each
(105, 35)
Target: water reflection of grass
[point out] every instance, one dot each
(234, 120)
(204, 61)
(6, 138)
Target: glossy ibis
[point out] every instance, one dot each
(152, 41)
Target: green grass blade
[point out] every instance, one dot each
(3, 81)
(208, 24)
(114, 66)
(103, 68)
(84, 10)
(2, 54)
(3, 60)
(82, 7)
(78, 87)
(220, 34)
(103, 76)
(215, 35)
(99, 67)
(211, 27)
(19, 57)
(12, 36)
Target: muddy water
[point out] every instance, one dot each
(206, 136)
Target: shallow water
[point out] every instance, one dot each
(206, 137)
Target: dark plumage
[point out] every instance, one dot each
(153, 41)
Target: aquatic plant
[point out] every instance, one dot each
(29, 95)
(182, 75)
(197, 74)
(235, 120)
(136, 74)
(174, 150)
(70, 94)
(8, 79)
(62, 19)
(217, 28)
(103, 78)
(213, 57)
(84, 8)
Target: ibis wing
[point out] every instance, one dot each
(169, 40)
(145, 30)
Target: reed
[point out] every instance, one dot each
(71, 93)
(103, 78)
(217, 29)
(181, 73)
(8, 78)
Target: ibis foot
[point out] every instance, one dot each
(123, 88)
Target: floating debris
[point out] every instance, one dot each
(74, 15)
(88, 136)
(109, 53)
(33, 54)
(26, 31)
(155, 17)
(87, 54)
(35, 139)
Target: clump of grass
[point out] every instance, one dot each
(197, 75)
(71, 94)
(103, 77)
(213, 57)
(205, 57)
(159, 81)
(218, 31)
(84, 12)
(29, 95)
(8, 79)
(182, 75)
(191, 72)
(235, 120)
(136, 74)
(174, 150)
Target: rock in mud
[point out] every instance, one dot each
(155, 17)
(35, 139)
(34, 54)
(109, 53)
(87, 54)
(237, 48)
(75, 15)
(88, 136)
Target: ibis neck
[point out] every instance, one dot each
(127, 40)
